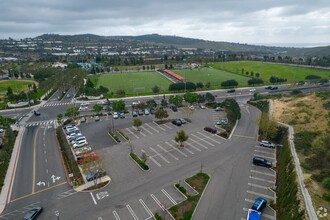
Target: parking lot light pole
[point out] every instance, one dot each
(57, 214)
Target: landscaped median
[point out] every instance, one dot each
(185, 209)
(140, 162)
(114, 136)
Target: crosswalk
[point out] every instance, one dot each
(40, 123)
(57, 104)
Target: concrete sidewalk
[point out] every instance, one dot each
(92, 183)
(10, 175)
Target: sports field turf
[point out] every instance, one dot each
(16, 85)
(266, 70)
(133, 83)
(214, 76)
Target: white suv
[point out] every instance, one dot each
(267, 144)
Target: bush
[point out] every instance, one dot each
(326, 182)
(254, 81)
(229, 83)
(275, 79)
(182, 189)
(137, 159)
(326, 197)
(123, 134)
(158, 216)
(312, 77)
(114, 137)
(296, 92)
(320, 176)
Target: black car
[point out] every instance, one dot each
(177, 122)
(134, 114)
(36, 113)
(174, 108)
(140, 112)
(231, 91)
(96, 174)
(211, 130)
(259, 161)
(274, 88)
(32, 213)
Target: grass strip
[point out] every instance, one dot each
(138, 160)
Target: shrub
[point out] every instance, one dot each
(326, 182)
(114, 137)
(326, 197)
(182, 189)
(158, 216)
(296, 92)
(254, 81)
(137, 159)
(123, 134)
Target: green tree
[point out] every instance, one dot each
(164, 103)
(151, 103)
(229, 83)
(199, 85)
(89, 84)
(209, 97)
(191, 98)
(118, 105)
(72, 112)
(176, 100)
(155, 89)
(161, 113)
(208, 85)
(137, 123)
(60, 119)
(201, 98)
(181, 137)
(267, 127)
(97, 109)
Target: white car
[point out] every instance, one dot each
(79, 144)
(83, 150)
(115, 115)
(202, 107)
(101, 102)
(252, 90)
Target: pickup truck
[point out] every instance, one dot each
(253, 215)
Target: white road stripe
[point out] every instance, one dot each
(167, 126)
(145, 129)
(116, 215)
(249, 200)
(258, 155)
(157, 201)
(260, 194)
(202, 140)
(169, 153)
(198, 143)
(159, 126)
(260, 179)
(169, 197)
(93, 198)
(263, 173)
(146, 208)
(158, 154)
(152, 128)
(209, 137)
(260, 151)
(132, 133)
(183, 154)
(257, 186)
(132, 212)
(193, 146)
(151, 158)
(184, 148)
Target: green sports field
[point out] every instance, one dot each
(214, 76)
(266, 70)
(16, 85)
(134, 83)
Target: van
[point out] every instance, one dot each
(259, 161)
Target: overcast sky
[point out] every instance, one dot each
(269, 22)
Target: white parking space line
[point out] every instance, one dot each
(158, 126)
(258, 155)
(193, 146)
(152, 128)
(203, 140)
(167, 126)
(265, 148)
(183, 154)
(157, 201)
(145, 129)
(158, 154)
(116, 215)
(169, 197)
(257, 186)
(147, 209)
(250, 200)
(132, 212)
(260, 194)
(263, 173)
(184, 148)
(190, 139)
(140, 132)
(200, 133)
(261, 151)
(132, 133)
(263, 215)
(263, 180)
(166, 151)
(153, 160)
(93, 198)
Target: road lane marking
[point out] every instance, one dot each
(249, 200)
(242, 136)
(145, 129)
(159, 126)
(166, 151)
(151, 128)
(198, 144)
(258, 155)
(257, 186)
(260, 151)
(209, 137)
(146, 208)
(263, 173)
(132, 133)
(183, 154)
(34, 160)
(93, 198)
(202, 139)
(157, 201)
(193, 147)
(132, 212)
(155, 161)
(167, 126)
(260, 179)
(158, 154)
(66, 194)
(184, 148)
(260, 194)
(116, 215)
(169, 197)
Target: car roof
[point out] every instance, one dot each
(258, 203)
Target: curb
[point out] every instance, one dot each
(192, 216)
(138, 164)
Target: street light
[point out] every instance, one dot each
(57, 214)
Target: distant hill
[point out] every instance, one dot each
(182, 42)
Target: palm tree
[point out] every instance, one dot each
(181, 137)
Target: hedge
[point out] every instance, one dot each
(137, 159)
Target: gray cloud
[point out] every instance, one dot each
(246, 21)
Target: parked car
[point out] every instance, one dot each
(79, 144)
(121, 115)
(174, 108)
(96, 174)
(68, 126)
(231, 91)
(274, 88)
(177, 122)
(209, 129)
(97, 118)
(134, 114)
(71, 135)
(259, 204)
(252, 90)
(115, 115)
(218, 109)
(74, 138)
(78, 138)
(222, 122)
(140, 112)
(264, 143)
(146, 112)
(202, 106)
(86, 158)
(268, 87)
(32, 213)
(101, 102)
(83, 150)
(259, 161)
(83, 120)
(36, 113)
(152, 111)
(182, 121)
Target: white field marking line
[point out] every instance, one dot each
(116, 215)
(132, 212)
(260, 151)
(209, 137)
(183, 154)
(198, 143)
(257, 186)
(151, 128)
(166, 151)
(157, 201)
(167, 126)
(158, 154)
(202, 139)
(263, 173)
(193, 147)
(263, 215)
(263, 180)
(132, 133)
(169, 197)
(258, 155)
(146, 208)
(260, 194)
(145, 129)
(184, 148)
(159, 126)
(93, 198)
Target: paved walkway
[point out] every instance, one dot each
(92, 183)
